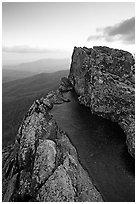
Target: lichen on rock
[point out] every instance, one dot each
(104, 80)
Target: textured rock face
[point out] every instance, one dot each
(43, 165)
(104, 80)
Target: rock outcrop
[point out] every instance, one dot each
(42, 165)
(104, 79)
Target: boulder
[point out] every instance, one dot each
(104, 80)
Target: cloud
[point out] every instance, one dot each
(25, 49)
(123, 31)
(95, 37)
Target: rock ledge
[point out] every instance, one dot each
(42, 165)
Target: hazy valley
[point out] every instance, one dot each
(17, 71)
(18, 95)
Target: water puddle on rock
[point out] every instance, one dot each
(101, 148)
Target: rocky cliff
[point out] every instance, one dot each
(42, 165)
(104, 80)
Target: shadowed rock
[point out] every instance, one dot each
(104, 80)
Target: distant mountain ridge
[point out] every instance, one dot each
(11, 75)
(39, 66)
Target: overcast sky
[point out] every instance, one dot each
(50, 30)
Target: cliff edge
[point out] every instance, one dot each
(104, 79)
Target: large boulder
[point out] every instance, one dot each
(42, 165)
(104, 79)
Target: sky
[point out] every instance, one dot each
(32, 31)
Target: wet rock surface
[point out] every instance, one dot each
(104, 79)
(43, 165)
